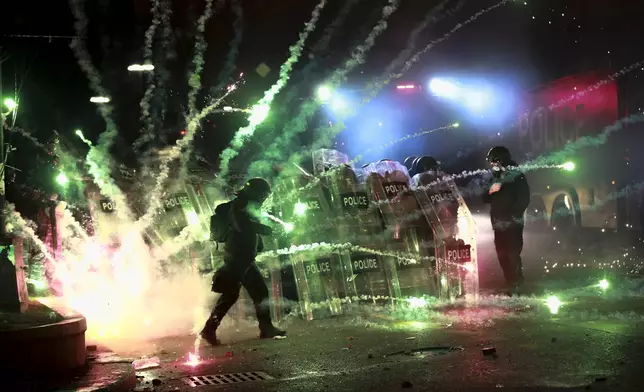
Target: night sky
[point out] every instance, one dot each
(530, 42)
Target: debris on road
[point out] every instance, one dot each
(146, 363)
(406, 385)
(489, 351)
(411, 338)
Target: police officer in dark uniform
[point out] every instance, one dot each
(243, 242)
(509, 197)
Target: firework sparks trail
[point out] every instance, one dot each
(328, 133)
(159, 10)
(297, 125)
(586, 141)
(152, 29)
(432, 17)
(238, 33)
(27, 136)
(16, 223)
(261, 110)
(162, 12)
(322, 45)
(175, 152)
(547, 161)
(98, 159)
(194, 81)
(411, 62)
(402, 139)
(85, 60)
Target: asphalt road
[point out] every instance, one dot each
(533, 351)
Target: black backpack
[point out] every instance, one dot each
(220, 223)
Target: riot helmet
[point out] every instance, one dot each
(256, 189)
(425, 164)
(414, 167)
(409, 163)
(499, 155)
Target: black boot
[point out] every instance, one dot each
(269, 331)
(209, 332)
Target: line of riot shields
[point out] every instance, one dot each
(410, 237)
(390, 237)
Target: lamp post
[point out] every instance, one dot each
(13, 286)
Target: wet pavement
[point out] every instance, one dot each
(509, 346)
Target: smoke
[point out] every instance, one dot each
(328, 133)
(85, 60)
(194, 81)
(285, 141)
(27, 136)
(261, 110)
(432, 17)
(98, 164)
(161, 12)
(238, 32)
(585, 142)
(321, 46)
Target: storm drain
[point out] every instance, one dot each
(221, 379)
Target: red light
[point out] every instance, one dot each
(183, 132)
(405, 87)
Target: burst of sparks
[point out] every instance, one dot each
(193, 360)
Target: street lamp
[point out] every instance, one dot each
(99, 99)
(141, 68)
(10, 104)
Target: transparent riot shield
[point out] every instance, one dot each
(318, 277)
(404, 231)
(368, 276)
(455, 233)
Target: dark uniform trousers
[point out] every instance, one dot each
(229, 280)
(508, 242)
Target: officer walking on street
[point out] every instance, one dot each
(509, 197)
(235, 224)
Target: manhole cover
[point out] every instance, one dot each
(231, 378)
(427, 351)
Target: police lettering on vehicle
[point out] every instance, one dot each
(108, 206)
(365, 263)
(393, 189)
(354, 201)
(459, 254)
(320, 267)
(177, 200)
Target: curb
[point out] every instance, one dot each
(104, 377)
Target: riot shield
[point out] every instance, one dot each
(454, 233)
(367, 275)
(404, 231)
(318, 277)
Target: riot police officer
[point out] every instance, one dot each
(243, 242)
(509, 197)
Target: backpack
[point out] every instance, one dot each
(220, 223)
